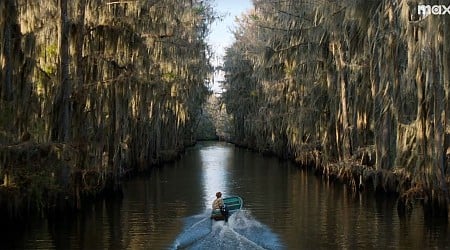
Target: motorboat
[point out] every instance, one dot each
(232, 205)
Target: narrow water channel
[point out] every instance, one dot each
(285, 208)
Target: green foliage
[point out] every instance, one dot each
(50, 70)
(169, 77)
(199, 10)
(51, 51)
(254, 17)
(49, 57)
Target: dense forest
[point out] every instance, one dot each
(357, 89)
(92, 90)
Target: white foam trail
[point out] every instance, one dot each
(198, 223)
(241, 237)
(241, 232)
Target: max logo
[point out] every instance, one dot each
(425, 10)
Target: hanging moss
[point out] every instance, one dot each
(107, 88)
(336, 78)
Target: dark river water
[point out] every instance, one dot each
(284, 208)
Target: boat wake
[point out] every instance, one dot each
(241, 232)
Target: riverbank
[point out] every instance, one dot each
(46, 179)
(50, 179)
(360, 174)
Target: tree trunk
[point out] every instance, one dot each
(421, 124)
(330, 138)
(446, 82)
(8, 41)
(346, 145)
(80, 95)
(342, 71)
(439, 115)
(62, 106)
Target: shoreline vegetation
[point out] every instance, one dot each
(358, 90)
(47, 181)
(91, 91)
(361, 177)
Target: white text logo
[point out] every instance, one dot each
(425, 10)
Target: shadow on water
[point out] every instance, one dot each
(242, 231)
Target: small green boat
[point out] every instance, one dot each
(232, 204)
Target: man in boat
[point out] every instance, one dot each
(219, 205)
